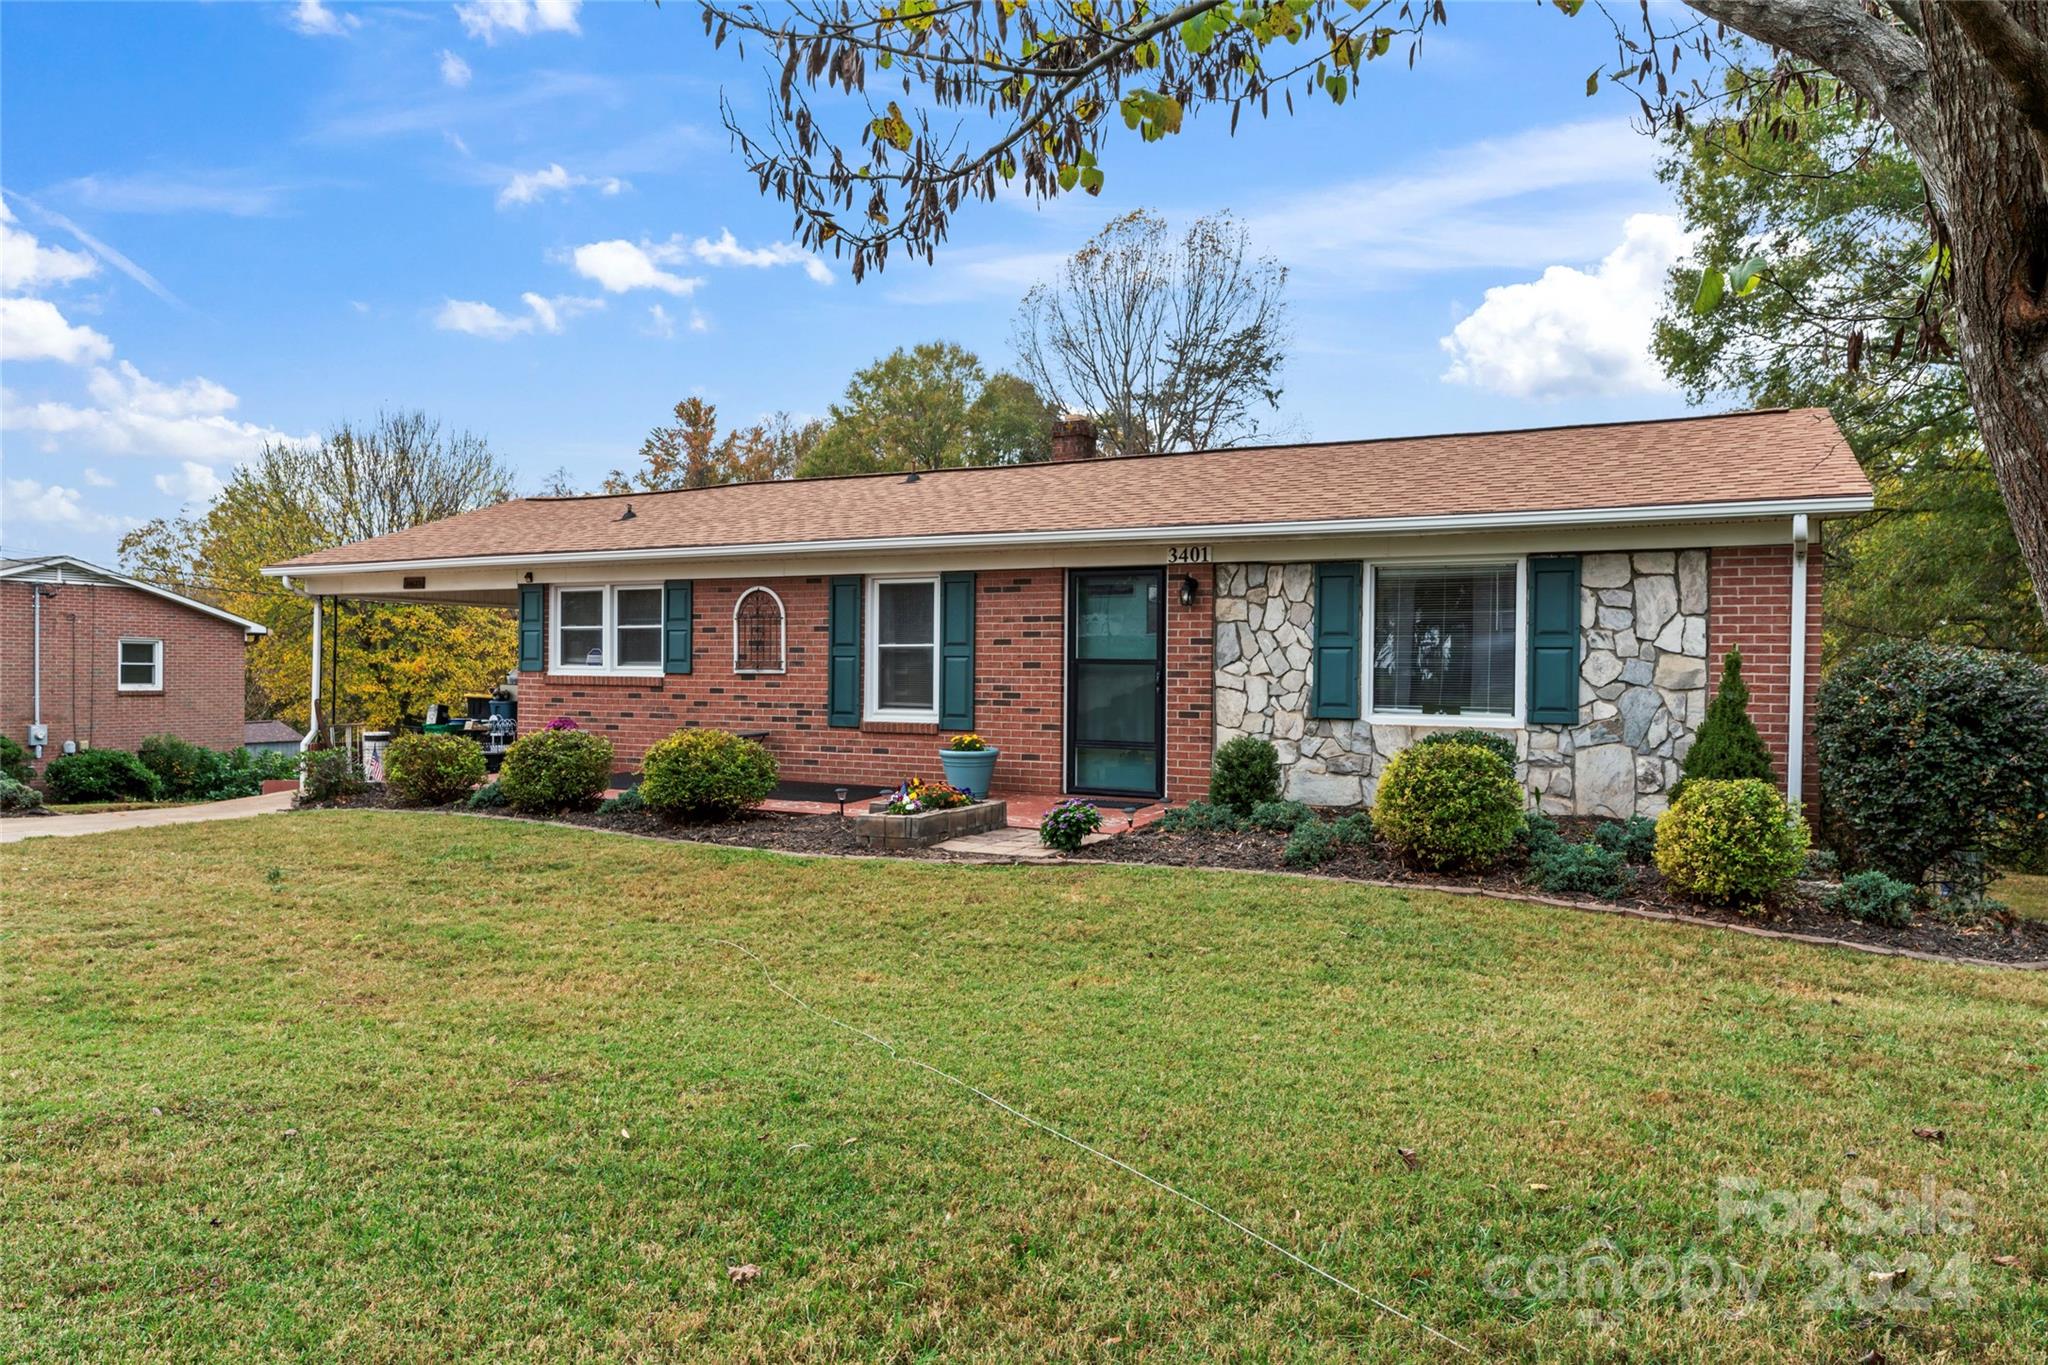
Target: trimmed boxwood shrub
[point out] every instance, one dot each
(551, 770)
(101, 775)
(1932, 753)
(1449, 805)
(1493, 741)
(1244, 773)
(432, 770)
(1735, 841)
(14, 761)
(706, 775)
(1873, 898)
(1727, 744)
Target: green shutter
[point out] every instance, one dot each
(956, 651)
(1339, 618)
(678, 625)
(842, 703)
(1554, 640)
(533, 642)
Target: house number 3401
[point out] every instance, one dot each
(1187, 554)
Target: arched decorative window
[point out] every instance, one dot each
(758, 633)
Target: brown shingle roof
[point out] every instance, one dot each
(1738, 458)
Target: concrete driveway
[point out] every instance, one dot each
(15, 828)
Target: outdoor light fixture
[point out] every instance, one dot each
(529, 575)
(1189, 590)
(1131, 812)
(840, 792)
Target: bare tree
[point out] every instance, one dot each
(1965, 86)
(1169, 345)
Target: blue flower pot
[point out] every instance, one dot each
(970, 771)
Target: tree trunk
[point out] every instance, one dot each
(1990, 187)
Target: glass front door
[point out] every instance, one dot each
(1116, 676)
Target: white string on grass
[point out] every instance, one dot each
(1214, 1212)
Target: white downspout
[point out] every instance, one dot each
(35, 729)
(313, 706)
(1795, 743)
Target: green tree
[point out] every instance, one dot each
(356, 482)
(930, 407)
(1727, 744)
(1025, 96)
(1839, 319)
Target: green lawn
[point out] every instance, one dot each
(375, 1086)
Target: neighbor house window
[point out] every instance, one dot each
(757, 632)
(1444, 640)
(608, 630)
(903, 649)
(142, 666)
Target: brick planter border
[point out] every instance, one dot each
(886, 832)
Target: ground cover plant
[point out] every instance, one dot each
(397, 1085)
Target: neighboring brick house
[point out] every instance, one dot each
(1107, 622)
(121, 660)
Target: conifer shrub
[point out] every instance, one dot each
(1727, 746)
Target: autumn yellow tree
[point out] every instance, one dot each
(690, 452)
(391, 660)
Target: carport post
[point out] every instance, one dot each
(313, 703)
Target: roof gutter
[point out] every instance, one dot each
(1239, 530)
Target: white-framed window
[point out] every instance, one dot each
(1446, 643)
(903, 649)
(141, 666)
(612, 628)
(760, 633)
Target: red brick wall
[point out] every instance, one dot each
(1749, 603)
(1019, 702)
(1190, 683)
(202, 699)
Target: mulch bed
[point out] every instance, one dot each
(2017, 941)
(1801, 912)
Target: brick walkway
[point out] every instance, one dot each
(1025, 812)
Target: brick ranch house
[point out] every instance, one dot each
(114, 660)
(1108, 622)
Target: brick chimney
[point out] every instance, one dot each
(1073, 438)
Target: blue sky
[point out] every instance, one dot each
(232, 222)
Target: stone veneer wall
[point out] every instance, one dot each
(1642, 689)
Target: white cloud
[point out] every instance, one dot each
(659, 323)
(483, 320)
(454, 70)
(315, 20)
(698, 322)
(1574, 332)
(33, 329)
(1499, 203)
(56, 505)
(194, 482)
(132, 414)
(525, 187)
(727, 251)
(26, 265)
(619, 266)
(100, 249)
(94, 479)
(485, 19)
